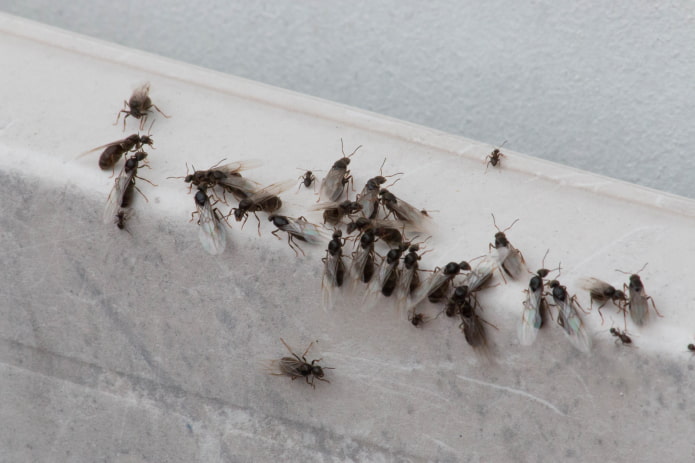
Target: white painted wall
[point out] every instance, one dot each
(604, 87)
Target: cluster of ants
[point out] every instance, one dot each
(374, 216)
(118, 206)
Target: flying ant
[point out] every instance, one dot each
(121, 195)
(138, 106)
(211, 232)
(410, 215)
(535, 307)
(495, 157)
(409, 278)
(602, 292)
(568, 317)
(389, 273)
(333, 184)
(265, 199)
(227, 176)
(385, 230)
(333, 213)
(333, 269)
(116, 149)
(509, 257)
(362, 268)
(638, 298)
(437, 286)
(299, 367)
(369, 197)
(296, 229)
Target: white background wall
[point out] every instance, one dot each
(607, 88)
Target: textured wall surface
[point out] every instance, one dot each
(607, 88)
(138, 346)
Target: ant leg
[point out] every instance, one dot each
(654, 306)
(599, 309)
(289, 241)
(574, 300)
(307, 350)
(146, 180)
(276, 234)
(160, 111)
(143, 194)
(288, 348)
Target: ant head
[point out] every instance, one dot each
(501, 240)
(461, 292)
(201, 197)
(452, 268)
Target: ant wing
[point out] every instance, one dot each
(271, 190)
(107, 145)
(531, 317)
(333, 274)
(304, 230)
(141, 92)
(211, 231)
(595, 286)
(411, 215)
(238, 166)
(115, 199)
(571, 322)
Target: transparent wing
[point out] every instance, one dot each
(531, 317)
(639, 309)
(413, 216)
(115, 199)
(359, 260)
(242, 185)
(271, 190)
(571, 322)
(211, 231)
(514, 263)
(369, 200)
(322, 206)
(332, 185)
(142, 91)
(289, 366)
(433, 282)
(597, 288)
(482, 273)
(107, 145)
(330, 283)
(474, 331)
(307, 231)
(238, 166)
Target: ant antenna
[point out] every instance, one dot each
(633, 273)
(498, 229)
(342, 148)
